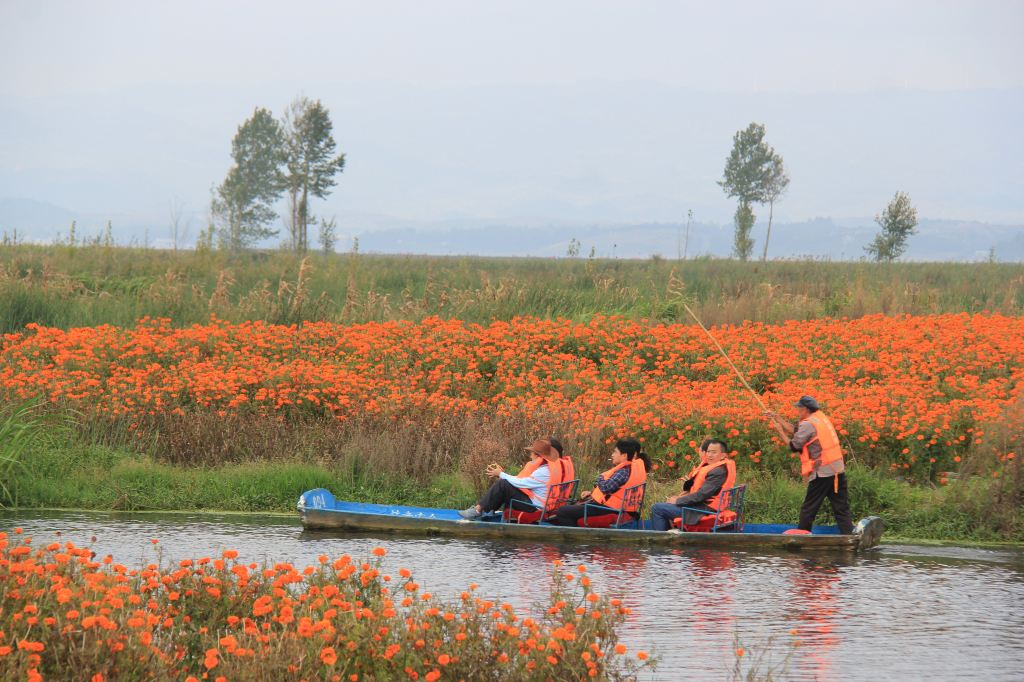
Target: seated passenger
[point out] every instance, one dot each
(543, 470)
(719, 473)
(629, 468)
(703, 454)
(568, 468)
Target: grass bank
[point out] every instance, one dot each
(66, 286)
(103, 478)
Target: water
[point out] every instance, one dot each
(896, 613)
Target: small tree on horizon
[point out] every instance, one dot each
(898, 221)
(243, 205)
(747, 169)
(311, 163)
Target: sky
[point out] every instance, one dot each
(51, 47)
(540, 111)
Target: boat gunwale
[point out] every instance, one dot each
(335, 519)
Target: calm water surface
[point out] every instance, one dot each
(895, 613)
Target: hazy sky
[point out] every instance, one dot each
(64, 64)
(738, 46)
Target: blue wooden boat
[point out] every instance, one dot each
(320, 510)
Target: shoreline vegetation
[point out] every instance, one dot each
(67, 473)
(136, 379)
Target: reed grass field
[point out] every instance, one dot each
(140, 379)
(64, 286)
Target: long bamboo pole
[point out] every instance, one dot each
(726, 356)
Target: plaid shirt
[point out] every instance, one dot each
(614, 482)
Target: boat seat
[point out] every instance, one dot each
(524, 512)
(728, 517)
(630, 515)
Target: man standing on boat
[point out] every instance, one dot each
(821, 462)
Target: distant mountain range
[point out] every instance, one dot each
(937, 240)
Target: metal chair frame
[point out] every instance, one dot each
(729, 500)
(632, 503)
(558, 496)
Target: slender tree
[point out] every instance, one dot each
(775, 184)
(328, 234)
(242, 205)
(746, 170)
(898, 221)
(311, 163)
(179, 227)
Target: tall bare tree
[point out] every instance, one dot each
(311, 163)
(179, 226)
(776, 182)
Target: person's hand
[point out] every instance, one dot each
(494, 470)
(586, 495)
(671, 499)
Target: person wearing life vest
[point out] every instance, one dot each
(703, 453)
(718, 473)
(545, 470)
(821, 462)
(629, 468)
(568, 468)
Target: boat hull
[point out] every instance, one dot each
(320, 511)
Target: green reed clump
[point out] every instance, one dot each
(24, 428)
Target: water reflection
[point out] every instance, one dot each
(898, 613)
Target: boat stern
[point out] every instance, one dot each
(869, 530)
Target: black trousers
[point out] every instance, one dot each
(500, 494)
(817, 491)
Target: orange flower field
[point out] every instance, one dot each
(906, 392)
(67, 614)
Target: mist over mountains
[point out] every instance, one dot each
(521, 170)
(937, 240)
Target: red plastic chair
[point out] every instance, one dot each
(728, 517)
(524, 512)
(630, 513)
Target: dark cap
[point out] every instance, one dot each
(809, 402)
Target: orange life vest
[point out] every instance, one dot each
(637, 475)
(826, 436)
(730, 479)
(557, 475)
(568, 469)
(696, 468)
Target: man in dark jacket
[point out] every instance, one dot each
(663, 513)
